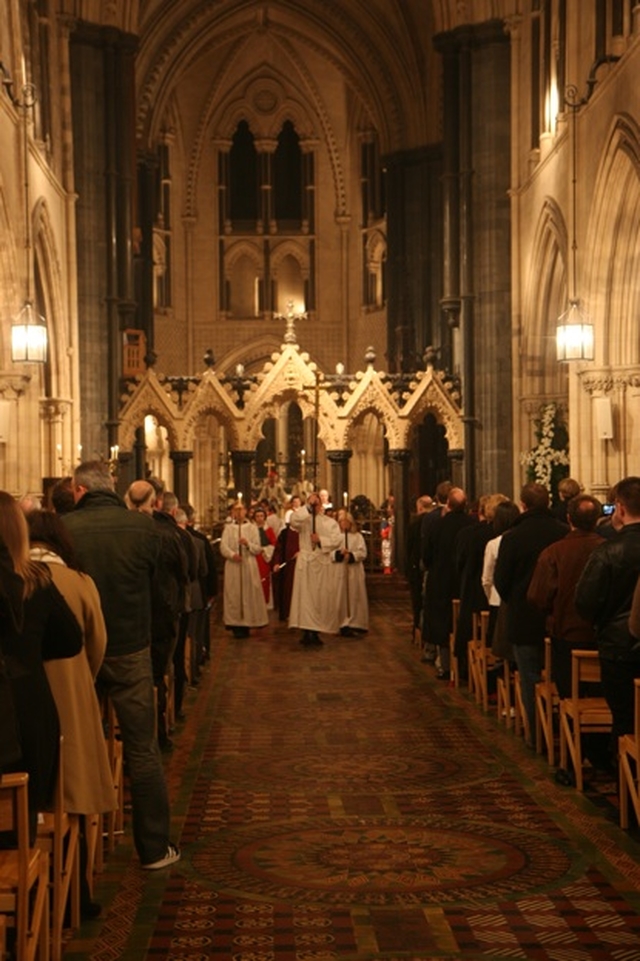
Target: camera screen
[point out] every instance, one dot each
(608, 509)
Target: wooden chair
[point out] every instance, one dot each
(105, 830)
(629, 766)
(59, 837)
(581, 715)
(546, 707)
(454, 667)
(505, 696)
(521, 724)
(486, 662)
(24, 875)
(473, 658)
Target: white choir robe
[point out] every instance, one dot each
(313, 600)
(243, 600)
(350, 584)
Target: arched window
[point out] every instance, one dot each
(243, 176)
(287, 178)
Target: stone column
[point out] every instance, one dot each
(399, 463)
(339, 460)
(126, 473)
(242, 461)
(181, 460)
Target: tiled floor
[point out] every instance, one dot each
(341, 803)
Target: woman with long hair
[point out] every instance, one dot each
(46, 629)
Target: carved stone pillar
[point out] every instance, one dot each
(242, 461)
(399, 463)
(339, 460)
(181, 460)
(126, 473)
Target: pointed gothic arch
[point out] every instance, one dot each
(613, 243)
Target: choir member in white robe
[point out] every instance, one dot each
(350, 586)
(243, 600)
(313, 602)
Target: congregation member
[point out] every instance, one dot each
(505, 516)
(552, 590)
(470, 548)
(244, 605)
(193, 654)
(265, 558)
(634, 613)
(61, 495)
(535, 529)
(415, 575)
(313, 603)
(88, 782)
(553, 584)
(208, 585)
(284, 562)
(443, 579)
(604, 596)
(568, 488)
(119, 549)
(36, 626)
(429, 520)
(351, 586)
(167, 595)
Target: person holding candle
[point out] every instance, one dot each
(353, 604)
(243, 601)
(313, 602)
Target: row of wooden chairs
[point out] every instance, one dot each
(38, 882)
(574, 716)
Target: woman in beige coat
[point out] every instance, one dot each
(88, 782)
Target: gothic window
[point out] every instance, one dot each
(287, 178)
(375, 270)
(162, 233)
(243, 178)
(371, 180)
(548, 65)
(290, 285)
(244, 288)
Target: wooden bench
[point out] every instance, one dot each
(581, 715)
(629, 766)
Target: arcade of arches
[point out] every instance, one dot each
(405, 176)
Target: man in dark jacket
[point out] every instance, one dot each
(119, 549)
(443, 578)
(168, 591)
(520, 547)
(604, 594)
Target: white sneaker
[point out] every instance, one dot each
(172, 855)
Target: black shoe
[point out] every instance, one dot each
(565, 778)
(166, 745)
(347, 632)
(89, 910)
(443, 675)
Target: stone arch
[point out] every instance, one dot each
(8, 279)
(546, 299)
(613, 243)
(148, 399)
(48, 266)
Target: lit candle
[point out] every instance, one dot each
(240, 497)
(345, 499)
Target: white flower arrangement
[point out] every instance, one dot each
(550, 450)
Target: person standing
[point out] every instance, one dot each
(42, 627)
(415, 571)
(243, 601)
(119, 549)
(265, 558)
(535, 529)
(604, 596)
(443, 577)
(284, 563)
(313, 603)
(351, 581)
